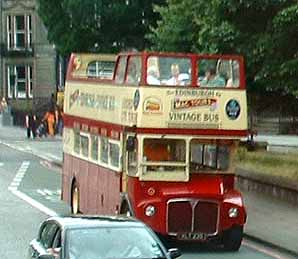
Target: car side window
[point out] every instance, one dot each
(47, 234)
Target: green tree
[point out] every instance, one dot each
(264, 32)
(97, 25)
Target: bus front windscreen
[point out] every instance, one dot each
(161, 154)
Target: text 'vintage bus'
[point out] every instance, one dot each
(158, 142)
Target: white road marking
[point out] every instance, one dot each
(41, 192)
(14, 189)
(20, 174)
(27, 149)
(34, 203)
(263, 250)
(53, 156)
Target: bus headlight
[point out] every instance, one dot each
(233, 212)
(150, 210)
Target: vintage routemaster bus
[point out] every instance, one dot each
(158, 141)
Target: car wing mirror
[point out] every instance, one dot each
(174, 253)
(130, 144)
(46, 256)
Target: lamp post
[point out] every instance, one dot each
(1, 61)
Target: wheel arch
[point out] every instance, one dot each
(74, 183)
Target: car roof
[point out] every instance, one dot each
(81, 221)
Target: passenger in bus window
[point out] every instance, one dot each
(152, 76)
(233, 80)
(175, 71)
(211, 79)
(177, 77)
(132, 75)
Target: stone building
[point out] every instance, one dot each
(28, 62)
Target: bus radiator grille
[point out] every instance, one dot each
(192, 216)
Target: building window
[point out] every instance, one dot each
(30, 83)
(19, 31)
(19, 78)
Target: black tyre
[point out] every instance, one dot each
(75, 199)
(232, 238)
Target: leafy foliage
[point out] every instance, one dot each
(265, 32)
(97, 25)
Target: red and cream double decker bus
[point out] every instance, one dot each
(158, 142)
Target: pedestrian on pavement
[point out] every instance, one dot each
(3, 105)
(42, 129)
(31, 124)
(59, 120)
(50, 119)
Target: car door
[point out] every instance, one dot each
(44, 242)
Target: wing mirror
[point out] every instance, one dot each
(174, 252)
(46, 256)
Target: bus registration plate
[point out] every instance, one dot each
(192, 236)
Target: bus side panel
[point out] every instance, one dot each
(93, 183)
(82, 177)
(99, 188)
(108, 191)
(114, 187)
(66, 178)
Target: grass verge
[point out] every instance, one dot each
(269, 163)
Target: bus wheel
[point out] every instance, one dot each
(232, 238)
(125, 210)
(75, 200)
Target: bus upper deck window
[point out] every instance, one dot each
(234, 76)
(133, 70)
(101, 69)
(120, 72)
(173, 71)
(218, 73)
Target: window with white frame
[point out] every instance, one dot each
(104, 150)
(76, 142)
(109, 155)
(114, 154)
(207, 156)
(94, 147)
(19, 81)
(19, 31)
(29, 81)
(101, 69)
(84, 142)
(99, 149)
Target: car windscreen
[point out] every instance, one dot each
(112, 242)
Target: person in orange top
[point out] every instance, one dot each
(157, 152)
(50, 118)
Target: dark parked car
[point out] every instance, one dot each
(97, 237)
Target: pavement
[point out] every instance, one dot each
(270, 220)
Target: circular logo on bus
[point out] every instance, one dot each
(136, 99)
(233, 109)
